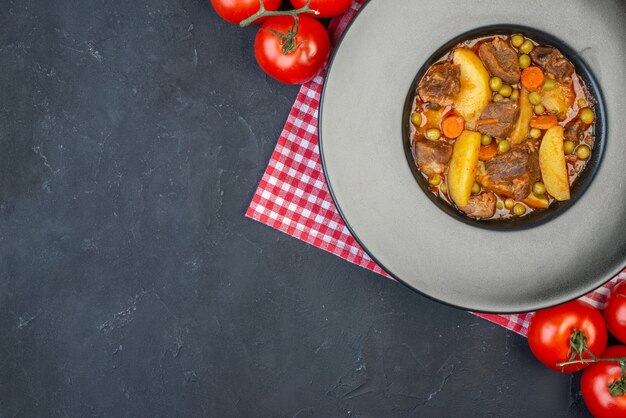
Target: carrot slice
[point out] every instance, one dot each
(532, 78)
(486, 121)
(544, 122)
(452, 126)
(488, 152)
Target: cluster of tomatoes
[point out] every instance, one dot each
(291, 46)
(573, 337)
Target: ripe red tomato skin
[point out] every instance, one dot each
(302, 64)
(327, 8)
(594, 386)
(550, 331)
(234, 11)
(615, 311)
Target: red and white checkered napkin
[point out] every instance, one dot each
(292, 196)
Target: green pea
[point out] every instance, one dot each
(587, 116)
(568, 147)
(539, 109)
(435, 180)
(498, 98)
(519, 209)
(539, 188)
(524, 61)
(475, 188)
(443, 188)
(526, 47)
(485, 139)
(495, 83)
(504, 146)
(500, 205)
(534, 98)
(535, 133)
(517, 40)
(549, 84)
(515, 94)
(506, 90)
(509, 203)
(583, 152)
(416, 119)
(433, 134)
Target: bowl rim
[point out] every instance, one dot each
(584, 178)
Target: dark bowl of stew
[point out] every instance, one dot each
(504, 127)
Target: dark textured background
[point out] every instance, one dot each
(132, 136)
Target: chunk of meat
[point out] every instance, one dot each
(441, 83)
(553, 62)
(481, 206)
(574, 131)
(432, 157)
(501, 60)
(505, 113)
(511, 174)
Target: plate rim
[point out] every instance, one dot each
(602, 280)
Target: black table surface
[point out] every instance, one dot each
(132, 137)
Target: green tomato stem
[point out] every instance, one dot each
(263, 12)
(578, 346)
(593, 360)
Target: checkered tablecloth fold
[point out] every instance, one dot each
(293, 197)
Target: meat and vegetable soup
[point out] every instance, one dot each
(502, 126)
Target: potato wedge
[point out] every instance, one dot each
(537, 202)
(431, 118)
(475, 92)
(522, 127)
(552, 164)
(462, 168)
(559, 100)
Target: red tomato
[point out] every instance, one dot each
(327, 8)
(234, 11)
(615, 311)
(551, 329)
(310, 49)
(595, 382)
